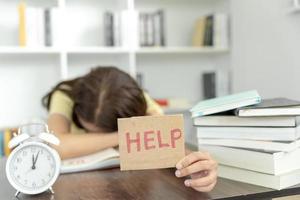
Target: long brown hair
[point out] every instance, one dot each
(102, 96)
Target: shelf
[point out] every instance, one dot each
(112, 50)
(97, 50)
(181, 50)
(29, 50)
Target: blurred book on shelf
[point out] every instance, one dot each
(38, 27)
(209, 84)
(140, 80)
(261, 149)
(150, 28)
(211, 30)
(5, 136)
(22, 28)
(111, 21)
(214, 83)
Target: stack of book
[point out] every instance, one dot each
(212, 30)
(255, 141)
(38, 27)
(149, 28)
(5, 136)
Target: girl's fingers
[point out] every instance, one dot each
(202, 182)
(191, 158)
(206, 188)
(202, 165)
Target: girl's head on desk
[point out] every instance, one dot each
(100, 97)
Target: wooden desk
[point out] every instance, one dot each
(147, 184)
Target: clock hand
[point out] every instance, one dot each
(34, 162)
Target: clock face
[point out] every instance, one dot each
(33, 168)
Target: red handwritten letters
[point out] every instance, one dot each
(151, 141)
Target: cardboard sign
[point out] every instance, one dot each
(151, 142)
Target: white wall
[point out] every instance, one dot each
(25, 79)
(266, 47)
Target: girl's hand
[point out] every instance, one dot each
(202, 170)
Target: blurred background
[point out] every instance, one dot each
(179, 51)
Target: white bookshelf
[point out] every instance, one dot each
(28, 50)
(113, 50)
(170, 71)
(182, 50)
(98, 50)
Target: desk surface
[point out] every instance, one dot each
(145, 184)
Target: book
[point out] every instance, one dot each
(129, 28)
(142, 29)
(22, 23)
(7, 138)
(140, 80)
(35, 27)
(209, 85)
(41, 26)
(116, 29)
(156, 29)
(225, 103)
(234, 121)
(199, 30)
(31, 27)
(57, 23)
(220, 30)
(47, 24)
(252, 144)
(1, 144)
(268, 162)
(151, 28)
(108, 28)
(161, 14)
(209, 34)
(253, 133)
(271, 107)
(277, 182)
(107, 158)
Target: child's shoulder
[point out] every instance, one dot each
(60, 95)
(61, 103)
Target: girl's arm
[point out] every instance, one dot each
(74, 145)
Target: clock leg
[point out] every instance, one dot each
(51, 190)
(17, 193)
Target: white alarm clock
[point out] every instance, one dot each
(33, 166)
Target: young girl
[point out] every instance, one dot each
(83, 112)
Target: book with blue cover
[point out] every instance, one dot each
(226, 103)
